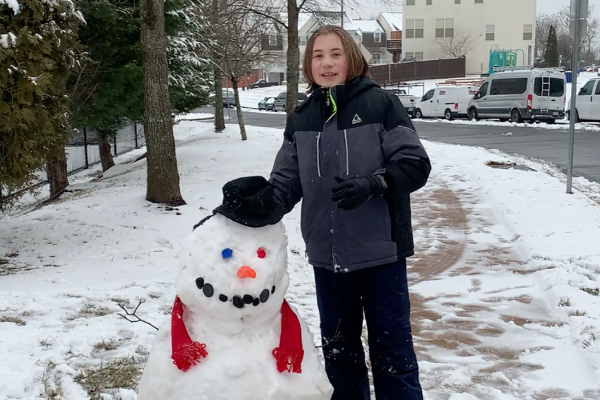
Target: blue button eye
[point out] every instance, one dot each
(227, 253)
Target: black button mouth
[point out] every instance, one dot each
(238, 301)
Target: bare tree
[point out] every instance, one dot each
(163, 176)
(237, 47)
(276, 10)
(215, 14)
(561, 22)
(243, 50)
(458, 45)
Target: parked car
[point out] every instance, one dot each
(228, 98)
(279, 102)
(521, 94)
(407, 100)
(447, 102)
(588, 102)
(266, 104)
(263, 83)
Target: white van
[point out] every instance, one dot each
(521, 94)
(588, 102)
(445, 102)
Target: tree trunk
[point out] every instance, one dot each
(236, 95)
(293, 58)
(56, 170)
(163, 176)
(106, 158)
(219, 114)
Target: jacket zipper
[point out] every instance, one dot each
(318, 155)
(346, 144)
(327, 101)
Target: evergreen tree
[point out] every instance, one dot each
(187, 30)
(551, 55)
(38, 46)
(107, 88)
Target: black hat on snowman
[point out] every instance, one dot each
(249, 201)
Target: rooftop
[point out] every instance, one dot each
(394, 19)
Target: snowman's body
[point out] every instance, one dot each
(240, 364)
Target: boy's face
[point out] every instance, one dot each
(329, 66)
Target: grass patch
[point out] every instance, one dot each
(46, 343)
(92, 309)
(14, 320)
(154, 295)
(52, 386)
(500, 163)
(564, 302)
(577, 313)
(589, 333)
(106, 345)
(120, 300)
(116, 374)
(593, 292)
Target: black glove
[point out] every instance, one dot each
(356, 191)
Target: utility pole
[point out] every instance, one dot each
(579, 11)
(342, 14)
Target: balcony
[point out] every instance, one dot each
(394, 45)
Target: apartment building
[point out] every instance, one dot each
(392, 25)
(434, 29)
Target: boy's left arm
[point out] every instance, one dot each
(407, 163)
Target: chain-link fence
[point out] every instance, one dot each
(83, 152)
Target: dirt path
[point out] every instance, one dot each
(477, 338)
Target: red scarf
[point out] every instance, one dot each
(187, 353)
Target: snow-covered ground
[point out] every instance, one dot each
(67, 266)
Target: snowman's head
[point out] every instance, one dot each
(230, 271)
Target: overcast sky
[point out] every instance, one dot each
(368, 9)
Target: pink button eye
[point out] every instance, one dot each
(261, 253)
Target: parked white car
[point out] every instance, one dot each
(588, 102)
(447, 102)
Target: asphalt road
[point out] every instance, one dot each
(546, 144)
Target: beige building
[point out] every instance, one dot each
(434, 29)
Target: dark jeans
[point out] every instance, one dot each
(382, 292)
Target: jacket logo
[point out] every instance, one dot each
(356, 119)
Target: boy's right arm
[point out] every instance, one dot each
(285, 176)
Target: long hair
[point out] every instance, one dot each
(357, 65)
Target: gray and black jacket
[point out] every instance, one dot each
(351, 130)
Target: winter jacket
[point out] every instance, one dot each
(351, 130)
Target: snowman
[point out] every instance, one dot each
(232, 334)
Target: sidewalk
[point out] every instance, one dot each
(481, 322)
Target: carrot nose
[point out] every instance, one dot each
(246, 272)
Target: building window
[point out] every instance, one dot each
(377, 37)
(414, 28)
(528, 32)
(410, 2)
(272, 40)
(489, 32)
(456, 1)
(302, 40)
(419, 55)
(444, 27)
(478, 1)
(428, 2)
(376, 58)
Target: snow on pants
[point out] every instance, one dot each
(382, 292)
